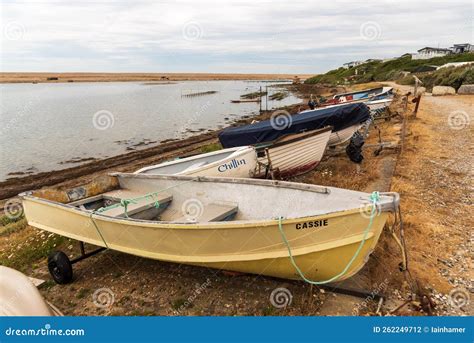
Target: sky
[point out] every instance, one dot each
(292, 36)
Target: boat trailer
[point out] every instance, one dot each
(60, 266)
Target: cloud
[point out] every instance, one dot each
(215, 36)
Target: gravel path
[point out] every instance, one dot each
(434, 177)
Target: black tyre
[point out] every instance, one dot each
(60, 267)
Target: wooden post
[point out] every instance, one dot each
(266, 97)
(405, 102)
(260, 99)
(417, 101)
(417, 82)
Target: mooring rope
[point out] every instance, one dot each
(374, 197)
(97, 228)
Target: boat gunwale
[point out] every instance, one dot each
(238, 151)
(232, 180)
(235, 224)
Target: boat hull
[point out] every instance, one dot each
(343, 135)
(379, 104)
(321, 249)
(240, 162)
(295, 154)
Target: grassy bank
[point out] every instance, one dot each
(34, 244)
(453, 77)
(392, 70)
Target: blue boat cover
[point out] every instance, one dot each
(339, 117)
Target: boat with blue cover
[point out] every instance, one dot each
(343, 119)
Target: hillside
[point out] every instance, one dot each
(398, 69)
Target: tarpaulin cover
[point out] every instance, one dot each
(339, 117)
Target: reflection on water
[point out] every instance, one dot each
(54, 125)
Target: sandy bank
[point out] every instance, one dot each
(15, 77)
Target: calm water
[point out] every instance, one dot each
(43, 126)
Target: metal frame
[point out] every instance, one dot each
(85, 255)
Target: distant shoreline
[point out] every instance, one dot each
(45, 77)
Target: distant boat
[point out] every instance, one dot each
(366, 96)
(245, 100)
(242, 225)
(369, 94)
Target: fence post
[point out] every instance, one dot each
(266, 98)
(417, 101)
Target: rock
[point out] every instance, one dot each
(443, 90)
(466, 89)
(420, 91)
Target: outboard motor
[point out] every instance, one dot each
(354, 149)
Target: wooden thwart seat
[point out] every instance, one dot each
(139, 205)
(210, 213)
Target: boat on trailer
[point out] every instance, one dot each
(245, 225)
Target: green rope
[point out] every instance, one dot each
(374, 197)
(152, 198)
(125, 202)
(97, 228)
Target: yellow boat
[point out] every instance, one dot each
(243, 225)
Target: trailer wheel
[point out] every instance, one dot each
(60, 267)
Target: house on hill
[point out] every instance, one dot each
(352, 64)
(429, 52)
(373, 60)
(460, 48)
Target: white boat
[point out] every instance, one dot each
(20, 297)
(364, 95)
(381, 104)
(374, 105)
(290, 155)
(294, 154)
(232, 162)
(244, 225)
(377, 107)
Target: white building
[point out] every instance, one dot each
(352, 64)
(429, 52)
